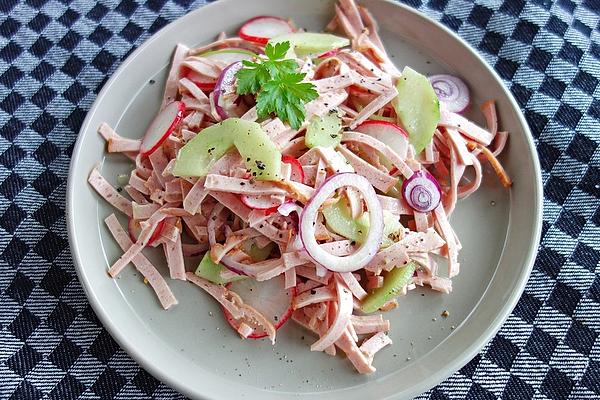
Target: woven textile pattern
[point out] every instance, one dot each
(55, 56)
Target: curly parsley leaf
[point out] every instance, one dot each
(279, 88)
(286, 97)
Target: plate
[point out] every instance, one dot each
(192, 349)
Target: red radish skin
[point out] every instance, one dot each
(206, 86)
(261, 29)
(386, 123)
(259, 202)
(286, 295)
(161, 127)
(329, 53)
(297, 170)
(264, 202)
(134, 229)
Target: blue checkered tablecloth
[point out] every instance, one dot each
(55, 55)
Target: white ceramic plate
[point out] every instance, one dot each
(192, 349)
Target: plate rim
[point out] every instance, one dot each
(425, 384)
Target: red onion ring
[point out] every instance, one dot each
(451, 91)
(225, 87)
(422, 191)
(369, 248)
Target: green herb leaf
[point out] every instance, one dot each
(279, 88)
(251, 78)
(286, 98)
(278, 51)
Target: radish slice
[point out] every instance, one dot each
(422, 191)
(161, 127)
(329, 53)
(388, 133)
(270, 203)
(451, 91)
(261, 202)
(297, 170)
(202, 82)
(269, 297)
(134, 229)
(261, 29)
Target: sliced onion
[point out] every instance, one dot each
(422, 191)
(308, 219)
(451, 91)
(224, 93)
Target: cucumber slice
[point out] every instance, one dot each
(324, 131)
(260, 154)
(306, 43)
(391, 225)
(339, 220)
(210, 271)
(393, 283)
(256, 253)
(418, 107)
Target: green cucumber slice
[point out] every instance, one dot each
(256, 253)
(339, 220)
(393, 283)
(391, 225)
(417, 107)
(210, 271)
(307, 43)
(260, 154)
(324, 131)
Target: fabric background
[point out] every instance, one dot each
(55, 55)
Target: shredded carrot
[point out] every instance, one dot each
(502, 175)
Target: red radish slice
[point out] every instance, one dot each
(260, 202)
(202, 82)
(261, 29)
(297, 170)
(134, 229)
(270, 298)
(269, 203)
(329, 53)
(388, 133)
(161, 127)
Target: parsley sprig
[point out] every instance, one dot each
(277, 85)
